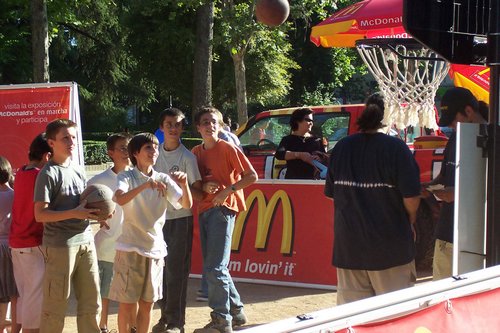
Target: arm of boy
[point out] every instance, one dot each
(180, 178)
(210, 187)
(197, 190)
(45, 215)
(121, 197)
(248, 177)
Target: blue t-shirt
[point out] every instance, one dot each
(159, 135)
(368, 177)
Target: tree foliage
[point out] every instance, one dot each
(130, 55)
(15, 43)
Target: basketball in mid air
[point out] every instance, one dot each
(100, 197)
(272, 12)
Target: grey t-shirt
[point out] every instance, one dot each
(61, 186)
(180, 159)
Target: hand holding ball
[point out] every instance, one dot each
(99, 197)
(272, 12)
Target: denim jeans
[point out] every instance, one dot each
(178, 234)
(216, 229)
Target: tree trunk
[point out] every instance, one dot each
(40, 41)
(202, 68)
(241, 86)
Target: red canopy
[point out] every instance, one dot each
(474, 78)
(365, 19)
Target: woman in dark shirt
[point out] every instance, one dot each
(299, 147)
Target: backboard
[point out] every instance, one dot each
(455, 29)
(469, 249)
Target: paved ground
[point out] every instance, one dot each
(263, 304)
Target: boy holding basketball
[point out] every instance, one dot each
(144, 195)
(105, 238)
(68, 243)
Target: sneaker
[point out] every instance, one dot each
(133, 330)
(105, 330)
(239, 318)
(174, 329)
(217, 325)
(202, 298)
(160, 327)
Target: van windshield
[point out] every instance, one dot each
(267, 133)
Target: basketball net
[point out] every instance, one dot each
(408, 74)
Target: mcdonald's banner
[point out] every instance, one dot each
(285, 237)
(26, 109)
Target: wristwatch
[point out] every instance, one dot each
(233, 188)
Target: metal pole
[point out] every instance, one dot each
(493, 179)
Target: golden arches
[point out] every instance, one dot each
(265, 215)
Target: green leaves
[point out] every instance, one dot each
(135, 55)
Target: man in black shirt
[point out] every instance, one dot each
(374, 181)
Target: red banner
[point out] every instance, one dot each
(24, 113)
(475, 313)
(286, 235)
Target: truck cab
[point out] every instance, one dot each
(261, 135)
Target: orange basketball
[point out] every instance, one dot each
(272, 12)
(100, 197)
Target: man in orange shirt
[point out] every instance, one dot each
(225, 171)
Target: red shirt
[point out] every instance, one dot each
(24, 230)
(224, 164)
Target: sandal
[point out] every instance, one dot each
(105, 330)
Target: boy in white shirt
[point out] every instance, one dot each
(105, 238)
(143, 194)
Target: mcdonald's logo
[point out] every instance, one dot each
(265, 215)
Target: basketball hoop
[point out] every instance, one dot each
(408, 74)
